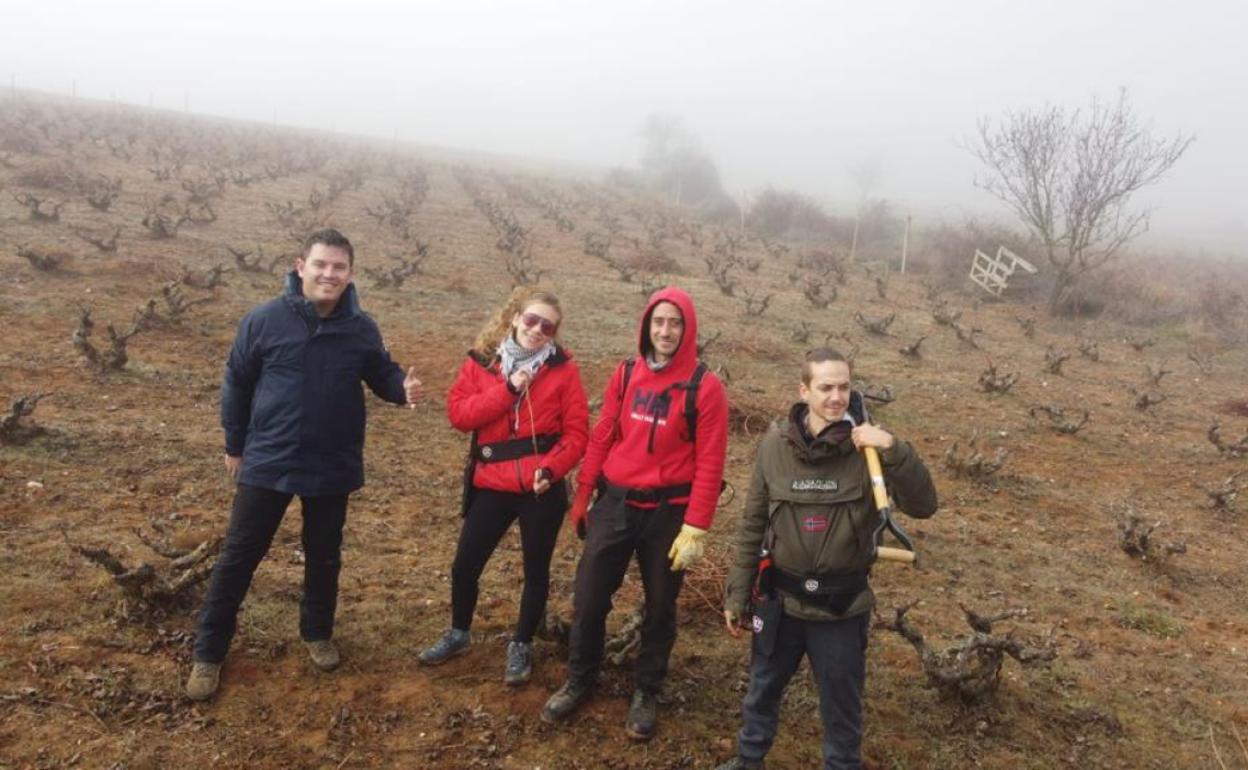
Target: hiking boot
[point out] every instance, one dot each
(453, 642)
(565, 700)
(324, 654)
(642, 716)
(739, 763)
(203, 681)
(519, 663)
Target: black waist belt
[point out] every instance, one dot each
(651, 495)
(516, 448)
(836, 592)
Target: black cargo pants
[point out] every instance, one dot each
(616, 531)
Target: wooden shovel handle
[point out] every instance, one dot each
(880, 492)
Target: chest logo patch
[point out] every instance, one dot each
(814, 523)
(815, 485)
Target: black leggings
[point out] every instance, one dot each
(487, 520)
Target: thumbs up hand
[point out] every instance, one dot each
(412, 387)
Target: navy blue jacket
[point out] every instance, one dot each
(292, 404)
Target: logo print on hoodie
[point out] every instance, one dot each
(650, 405)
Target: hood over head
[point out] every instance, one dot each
(687, 353)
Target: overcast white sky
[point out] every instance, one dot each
(786, 94)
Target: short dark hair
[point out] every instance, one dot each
(329, 237)
(819, 356)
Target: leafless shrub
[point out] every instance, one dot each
(1222, 497)
(100, 191)
(819, 293)
(1028, 325)
(971, 671)
(755, 305)
(397, 274)
(157, 592)
(945, 315)
(112, 359)
(214, 277)
(15, 429)
(708, 343)
(1089, 350)
(1203, 361)
(1155, 375)
(1147, 399)
(1054, 357)
(801, 334)
(1234, 449)
(1139, 344)
(912, 350)
(966, 334)
(881, 286)
(1135, 536)
(1058, 420)
(108, 244)
(257, 265)
(160, 222)
(990, 381)
(875, 325)
(42, 260)
(974, 464)
(522, 269)
(880, 394)
(41, 210)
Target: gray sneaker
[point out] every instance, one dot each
(203, 681)
(565, 700)
(519, 663)
(324, 654)
(642, 716)
(453, 642)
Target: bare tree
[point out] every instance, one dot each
(1069, 176)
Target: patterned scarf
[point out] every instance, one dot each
(515, 357)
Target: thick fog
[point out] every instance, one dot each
(790, 94)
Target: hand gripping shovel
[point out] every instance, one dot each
(882, 503)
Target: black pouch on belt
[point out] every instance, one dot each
(766, 607)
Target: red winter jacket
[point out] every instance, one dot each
(555, 403)
(619, 446)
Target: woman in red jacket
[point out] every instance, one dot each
(519, 393)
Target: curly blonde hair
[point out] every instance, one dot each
(499, 326)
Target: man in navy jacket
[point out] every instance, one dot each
(293, 412)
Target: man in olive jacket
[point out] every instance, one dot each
(810, 508)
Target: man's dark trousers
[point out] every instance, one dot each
(616, 531)
(253, 523)
(837, 652)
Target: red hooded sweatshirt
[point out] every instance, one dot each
(620, 446)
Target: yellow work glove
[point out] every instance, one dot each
(687, 547)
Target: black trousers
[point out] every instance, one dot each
(488, 518)
(253, 523)
(837, 653)
(616, 531)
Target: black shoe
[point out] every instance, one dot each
(566, 700)
(642, 716)
(737, 763)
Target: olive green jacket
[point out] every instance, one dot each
(817, 496)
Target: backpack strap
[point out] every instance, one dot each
(691, 401)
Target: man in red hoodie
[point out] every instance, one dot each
(656, 460)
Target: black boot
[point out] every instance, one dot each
(566, 700)
(642, 716)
